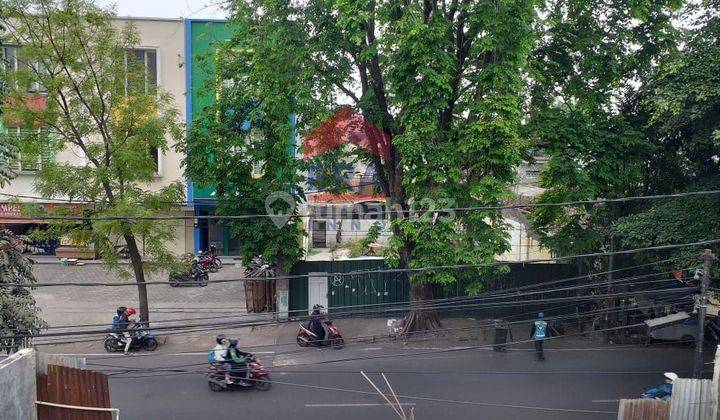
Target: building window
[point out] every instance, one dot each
(147, 60)
(13, 61)
(155, 155)
(29, 162)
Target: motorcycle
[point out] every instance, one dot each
(258, 377)
(195, 275)
(141, 339)
(306, 337)
(208, 261)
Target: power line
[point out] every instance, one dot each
(360, 338)
(402, 212)
(397, 309)
(390, 270)
(482, 296)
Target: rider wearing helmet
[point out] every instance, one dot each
(664, 391)
(125, 324)
(220, 355)
(239, 359)
(315, 322)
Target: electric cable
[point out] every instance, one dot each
(394, 211)
(391, 270)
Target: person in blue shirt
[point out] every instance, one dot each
(539, 333)
(664, 391)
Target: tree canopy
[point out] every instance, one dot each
(442, 83)
(79, 88)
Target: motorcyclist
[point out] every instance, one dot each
(238, 358)
(664, 391)
(315, 322)
(220, 356)
(125, 324)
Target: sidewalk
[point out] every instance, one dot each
(358, 332)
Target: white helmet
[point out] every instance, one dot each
(671, 376)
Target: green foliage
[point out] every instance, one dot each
(99, 105)
(442, 82)
(674, 221)
(18, 313)
(680, 106)
(356, 249)
(627, 105)
(372, 235)
(585, 74)
(8, 151)
(254, 170)
(329, 170)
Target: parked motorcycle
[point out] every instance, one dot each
(208, 260)
(258, 377)
(306, 337)
(195, 275)
(141, 339)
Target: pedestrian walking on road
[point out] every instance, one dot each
(538, 334)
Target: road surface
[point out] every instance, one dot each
(579, 380)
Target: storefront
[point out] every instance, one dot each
(13, 216)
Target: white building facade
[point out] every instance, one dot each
(161, 49)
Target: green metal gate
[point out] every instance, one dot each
(365, 293)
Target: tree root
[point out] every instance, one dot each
(419, 322)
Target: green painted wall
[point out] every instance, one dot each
(204, 37)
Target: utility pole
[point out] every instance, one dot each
(707, 257)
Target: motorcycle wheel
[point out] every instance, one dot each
(218, 263)
(303, 340)
(202, 279)
(263, 383)
(110, 345)
(215, 387)
(337, 343)
(150, 344)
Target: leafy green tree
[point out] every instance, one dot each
(18, 314)
(587, 67)
(245, 147)
(95, 101)
(680, 109)
(441, 81)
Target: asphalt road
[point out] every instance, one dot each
(580, 380)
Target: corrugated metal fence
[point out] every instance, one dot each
(691, 399)
(642, 409)
(72, 387)
(348, 293)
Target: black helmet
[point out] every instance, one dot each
(233, 342)
(220, 338)
(121, 310)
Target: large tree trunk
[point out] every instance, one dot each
(137, 263)
(419, 319)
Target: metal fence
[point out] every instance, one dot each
(642, 409)
(362, 291)
(73, 394)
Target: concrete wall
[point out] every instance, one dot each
(523, 246)
(19, 386)
(353, 230)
